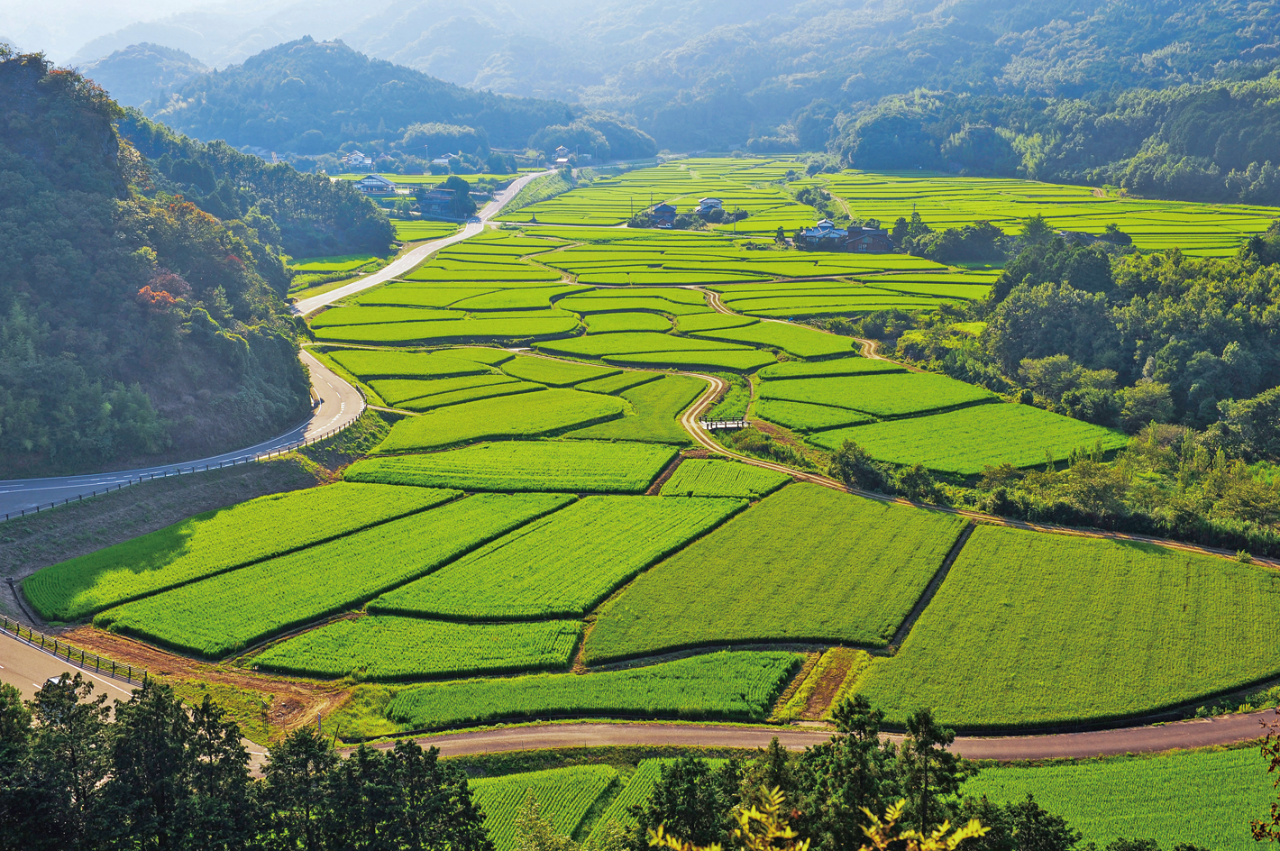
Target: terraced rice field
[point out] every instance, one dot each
(793, 339)
(393, 648)
(538, 414)
(568, 466)
(828, 368)
(738, 686)
(655, 407)
(730, 361)
(531, 573)
(553, 372)
(633, 343)
(966, 440)
(480, 328)
(804, 418)
(1202, 798)
(398, 390)
(1078, 628)
(949, 201)
(379, 364)
(775, 574)
(233, 610)
(611, 323)
(697, 477)
(883, 395)
(214, 542)
(564, 797)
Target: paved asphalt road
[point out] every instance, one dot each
(340, 403)
(407, 261)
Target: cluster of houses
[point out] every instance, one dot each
(433, 202)
(825, 236)
(664, 214)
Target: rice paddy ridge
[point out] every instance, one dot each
(716, 386)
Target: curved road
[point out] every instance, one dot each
(1182, 734)
(410, 259)
(340, 403)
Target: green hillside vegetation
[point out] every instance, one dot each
(133, 323)
(851, 578)
(305, 215)
(214, 542)
(393, 648)
(1077, 629)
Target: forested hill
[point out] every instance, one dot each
(308, 97)
(132, 323)
(305, 215)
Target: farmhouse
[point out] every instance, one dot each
(436, 202)
(664, 215)
(355, 158)
(706, 205)
(864, 240)
(375, 184)
(562, 152)
(824, 235)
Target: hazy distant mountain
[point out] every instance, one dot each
(142, 72)
(308, 97)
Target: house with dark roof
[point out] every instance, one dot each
(863, 240)
(436, 203)
(664, 215)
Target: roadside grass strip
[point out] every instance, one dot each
(369, 365)
(793, 339)
(734, 686)
(336, 263)
(894, 394)
(564, 796)
(533, 415)
(556, 373)
(733, 361)
(966, 440)
(611, 323)
(451, 330)
(699, 477)
(842, 366)
(774, 573)
(655, 409)
(618, 383)
(214, 542)
(394, 648)
(1075, 629)
(362, 315)
(397, 390)
(632, 343)
(531, 573)
(561, 466)
(1202, 798)
(231, 611)
(413, 231)
(804, 417)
